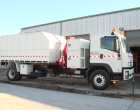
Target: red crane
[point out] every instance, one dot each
(63, 59)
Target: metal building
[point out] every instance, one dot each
(89, 26)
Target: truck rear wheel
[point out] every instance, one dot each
(99, 79)
(12, 73)
(19, 78)
(31, 77)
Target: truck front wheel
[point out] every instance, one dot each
(99, 79)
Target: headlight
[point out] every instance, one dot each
(126, 74)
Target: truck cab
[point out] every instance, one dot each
(110, 55)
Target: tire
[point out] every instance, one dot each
(31, 77)
(19, 78)
(12, 73)
(99, 79)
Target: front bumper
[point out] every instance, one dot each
(128, 73)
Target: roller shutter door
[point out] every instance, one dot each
(133, 38)
(87, 37)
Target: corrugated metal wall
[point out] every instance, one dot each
(129, 20)
(133, 38)
(51, 28)
(94, 25)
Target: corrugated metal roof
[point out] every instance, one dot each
(83, 17)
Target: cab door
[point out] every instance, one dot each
(108, 53)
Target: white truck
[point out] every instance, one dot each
(101, 60)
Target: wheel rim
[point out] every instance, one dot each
(11, 74)
(99, 80)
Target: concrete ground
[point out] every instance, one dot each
(13, 97)
(122, 89)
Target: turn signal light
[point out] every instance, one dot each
(114, 82)
(114, 29)
(121, 33)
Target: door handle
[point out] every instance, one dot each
(101, 56)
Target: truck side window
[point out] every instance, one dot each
(107, 43)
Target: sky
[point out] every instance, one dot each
(17, 14)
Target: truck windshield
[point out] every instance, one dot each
(125, 45)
